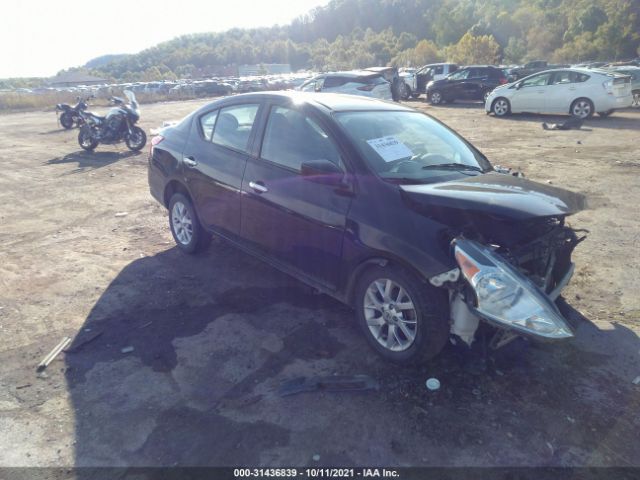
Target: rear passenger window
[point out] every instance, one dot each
(330, 82)
(207, 122)
(292, 138)
(233, 126)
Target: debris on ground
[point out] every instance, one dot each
(433, 384)
(330, 383)
(571, 123)
(53, 354)
(128, 349)
(82, 339)
(121, 214)
(636, 381)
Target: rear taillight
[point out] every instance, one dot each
(502, 80)
(155, 141)
(366, 88)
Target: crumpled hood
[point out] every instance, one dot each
(495, 195)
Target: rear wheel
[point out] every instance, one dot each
(185, 226)
(136, 140)
(501, 107)
(66, 120)
(435, 98)
(582, 108)
(403, 318)
(86, 139)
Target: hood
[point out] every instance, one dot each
(483, 201)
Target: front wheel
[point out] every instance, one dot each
(86, 140)
(404, 319)
(582, 108)
(185, 226)
(435, 98)
(501, 107)
(66, 120)
(136, 140)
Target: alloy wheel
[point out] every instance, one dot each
(501, 107)
(390, 314)
(182, 223)
(581, 109)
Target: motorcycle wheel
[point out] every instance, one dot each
(137, 140)
(66, 120)
(86, 140)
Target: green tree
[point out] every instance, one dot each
(474, 49)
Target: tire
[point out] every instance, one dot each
(85, 140)
(137, 140)
(606, 114)
(185, 226)
(406, 92)
(636, 99)
(426, 320)
(435, 97)
(415, 94)
(501, 107)
(582, 108)
(66, 120)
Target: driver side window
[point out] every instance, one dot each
(536, 81)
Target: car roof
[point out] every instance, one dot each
(327, 102)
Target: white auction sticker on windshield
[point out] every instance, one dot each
(390, 148)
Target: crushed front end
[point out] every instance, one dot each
(511, 278)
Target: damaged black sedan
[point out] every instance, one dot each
(378, 205)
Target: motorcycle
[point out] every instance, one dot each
(117, 126)
(70, 116)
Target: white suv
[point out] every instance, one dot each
(575, 91)
(366, 84)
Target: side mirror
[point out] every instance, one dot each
(518, 86)
(322, 171)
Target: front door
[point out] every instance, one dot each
(286, 216)
(530, 97)
(214, 161)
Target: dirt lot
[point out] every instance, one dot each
(214, 336)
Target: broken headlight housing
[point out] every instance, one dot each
(505, 296)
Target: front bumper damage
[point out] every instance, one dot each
(513, 289)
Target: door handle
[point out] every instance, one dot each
(190, 162)
(258, 187)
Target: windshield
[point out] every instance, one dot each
(132, 98)
(410, 146)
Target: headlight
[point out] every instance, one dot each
(505, 296)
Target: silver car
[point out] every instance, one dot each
(366, 84)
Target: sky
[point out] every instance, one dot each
(38, 38)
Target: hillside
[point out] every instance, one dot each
(358, 33)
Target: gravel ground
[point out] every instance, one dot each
(214, 336)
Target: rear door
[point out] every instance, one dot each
(563, 88)
(298, 222)
(214, 160)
